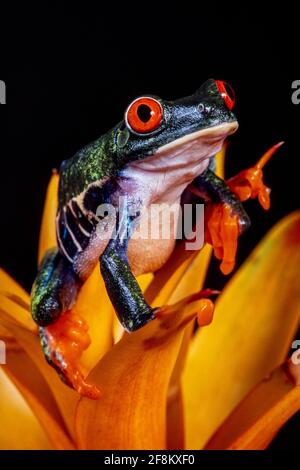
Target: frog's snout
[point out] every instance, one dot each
(227, 93)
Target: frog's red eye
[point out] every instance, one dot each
(144, 115)
(227, 93)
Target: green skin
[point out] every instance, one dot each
(103, 162)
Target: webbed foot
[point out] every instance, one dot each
(249, 183)
(226, 221)
(63, 343)
(223, 227)
(169, 314)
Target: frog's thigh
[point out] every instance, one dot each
(55, 288)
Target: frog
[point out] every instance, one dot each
(161, 152)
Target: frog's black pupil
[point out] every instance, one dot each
(144, 112)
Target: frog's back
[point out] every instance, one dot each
(82, 188)
(90, 165)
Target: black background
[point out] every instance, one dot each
(71, 71)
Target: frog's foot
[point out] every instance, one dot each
(63, 343)
(174, 318)
(223, 227)
(249, 183)
(198, 304)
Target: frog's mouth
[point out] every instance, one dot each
(200, 142)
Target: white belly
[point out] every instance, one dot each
(154, 238)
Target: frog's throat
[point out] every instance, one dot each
(209, 135)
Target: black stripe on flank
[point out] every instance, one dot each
(96, 195)
(82, 220)
(93, 198)
(72, 222)
(65, 237)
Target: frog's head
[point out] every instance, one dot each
(199, 123)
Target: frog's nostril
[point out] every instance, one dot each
(227, 93)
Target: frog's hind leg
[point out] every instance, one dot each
(249, 183)
(225, 217)
(54, 290)
(63, 334)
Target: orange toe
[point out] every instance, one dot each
(249, 183)
(66, 340)
(205, 313)
(223, 230)
(213, 217)
(229, 235)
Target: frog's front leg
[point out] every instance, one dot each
(122, 287)
(128, 300)
(126, 295)
(63, 333)
(225, 217)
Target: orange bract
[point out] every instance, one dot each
(255, 421)
(256, 318)
(163, 386)
(134, 378)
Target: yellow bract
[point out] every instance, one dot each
(162, 386)
(255, 321)
(133, 378)
(19, 428)
(255, 421)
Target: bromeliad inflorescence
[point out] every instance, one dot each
(166, 386)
